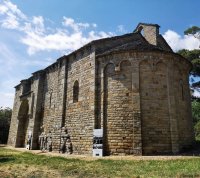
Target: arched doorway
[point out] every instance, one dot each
(22, 124)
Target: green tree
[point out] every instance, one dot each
(5, 113)
(194, 30)
(5, 117)
(194, 57)
(196, 110)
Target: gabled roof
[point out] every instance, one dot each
(139, 43)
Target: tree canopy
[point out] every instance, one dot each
(5, 117)
(5, 113)
(194, 57)
(194, 30)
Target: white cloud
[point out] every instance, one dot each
(10, 22)
(13, 8)
(196, 93)
(7, 59)
(3, 9)
(178, 42)
(121, 29)
(94, 25)
(38, 22)
(6, 99)
(61, 39)
(38, 37)
(69, 22)
(11, 16)
(13, 68)
(42, 63)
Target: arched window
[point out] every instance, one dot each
(182, 90)
(75, 91)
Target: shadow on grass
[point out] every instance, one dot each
(6, 159)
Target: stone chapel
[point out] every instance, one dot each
(132, 86)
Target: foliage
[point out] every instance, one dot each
(24, 164)
(193, 54)
(5, 117)
(196, 67)
(196, 118)
(194, 57)
(194, 30)
(197, 131)
(5, 113)
(196, 111)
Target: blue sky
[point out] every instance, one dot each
(34, 33)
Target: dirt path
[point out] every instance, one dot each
(89, 157)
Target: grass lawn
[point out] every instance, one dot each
(24, 164)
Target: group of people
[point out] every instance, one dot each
(45, 142)
(66, 144)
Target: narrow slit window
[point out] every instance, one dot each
(50, 99)
(75, 92)
(182, 89)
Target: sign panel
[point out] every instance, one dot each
(98, 142)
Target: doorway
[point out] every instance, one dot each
(22, 124)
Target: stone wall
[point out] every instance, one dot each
(118, 116)
(183, 107)
(26, 112)
(36, 110)
(120, 104)
(14, 119)
(80, 114)
(155, 107)
(53, 98)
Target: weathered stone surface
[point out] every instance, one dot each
(137, 90)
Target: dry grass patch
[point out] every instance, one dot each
(25, 164)
(21, 170)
